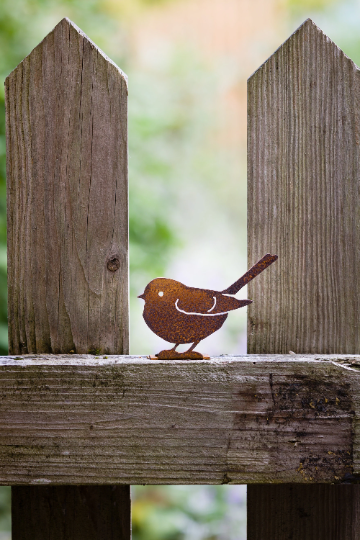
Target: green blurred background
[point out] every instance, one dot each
(187, 62)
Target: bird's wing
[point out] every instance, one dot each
(205, 302)
(193, 300)
(226, 303)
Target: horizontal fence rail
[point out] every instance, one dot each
(76, 419)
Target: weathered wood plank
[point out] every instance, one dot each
(304, 205)
(304, 198)
(286, 504)
(121, 420)
(66, 109)
(72, 513)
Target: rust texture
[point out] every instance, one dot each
(181, 314)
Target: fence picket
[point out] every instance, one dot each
(303, 204)
(66, 109)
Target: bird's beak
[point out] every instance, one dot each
(141, 296)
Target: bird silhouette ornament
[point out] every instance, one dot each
(181, 314)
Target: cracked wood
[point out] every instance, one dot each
(121, 420)
(66, 114)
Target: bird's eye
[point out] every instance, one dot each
(161, 293)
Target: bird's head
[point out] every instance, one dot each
(161, 289)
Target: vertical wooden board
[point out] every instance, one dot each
(303, 198)
(304, 205)
(76, 513)
(282, 505)
(66, 117)
(66, 109)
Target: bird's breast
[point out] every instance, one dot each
(175, 326)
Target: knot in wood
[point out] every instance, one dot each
(113, 264)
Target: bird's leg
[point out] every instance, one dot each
(177, 344)
(192, 346)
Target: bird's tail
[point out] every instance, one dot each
(251, 274)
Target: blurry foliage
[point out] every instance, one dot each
(166, 125)
(183, 513)
(304, 5)
(5, 509)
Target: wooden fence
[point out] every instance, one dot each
(78, 429)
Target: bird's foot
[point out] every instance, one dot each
(174, 355)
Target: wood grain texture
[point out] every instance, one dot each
(66, 114)
(63, 513)
(304, 205)
(129, 420)
(283, 505)
(304, 198)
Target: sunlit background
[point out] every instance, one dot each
(187, 63)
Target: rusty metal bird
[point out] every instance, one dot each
(180, 314)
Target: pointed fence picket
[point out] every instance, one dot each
(66, 110)
(304, 205)
(77, 425)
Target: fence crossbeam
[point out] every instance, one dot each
(129, 420)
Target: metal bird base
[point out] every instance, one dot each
(173, 355)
